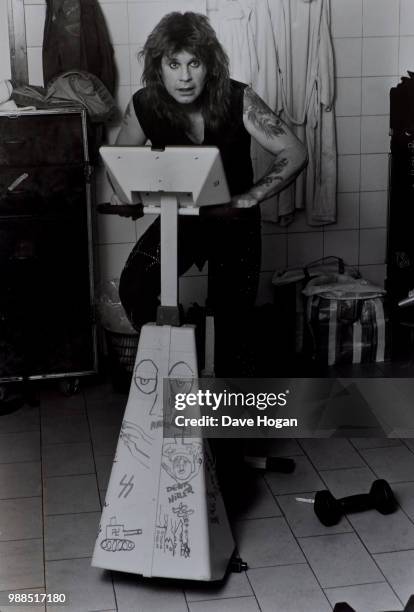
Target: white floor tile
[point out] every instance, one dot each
(16, 447)
(71, 494)
(340, 560)
(147, 595)
(239, 604)
(264, 542)
(291, 588)
(75, 430)
(384, 533)
(234, 585)
(404, 492)
(67, 459)
(20, 480)
(258, 502)
(21, 519)
(398, 569)
(366, 597)
(24, 566)
(304, 478)
(87, 588)
(395, 464)
(332, 454)
(71, 536)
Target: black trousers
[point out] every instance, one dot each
(230, 240)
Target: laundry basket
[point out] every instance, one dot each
(121, 338)
(122, 350)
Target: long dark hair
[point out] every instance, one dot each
(193, 33)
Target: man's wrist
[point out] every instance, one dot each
(256, 193)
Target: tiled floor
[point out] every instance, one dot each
(54, 465)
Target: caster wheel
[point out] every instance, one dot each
(237, 565)
(70, 386)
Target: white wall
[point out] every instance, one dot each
(4, 42)
(374, 45)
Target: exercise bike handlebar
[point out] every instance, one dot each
(408, 301)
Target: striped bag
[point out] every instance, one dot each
(289, 300)
(346, 319)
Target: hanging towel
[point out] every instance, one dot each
(244, 28)
(305, 97)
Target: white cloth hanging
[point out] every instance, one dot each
(196, 6)
(283, 49)
(305, 93)
(244, 28)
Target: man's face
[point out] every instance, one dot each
(183, 76)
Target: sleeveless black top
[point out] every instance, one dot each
(233, 141)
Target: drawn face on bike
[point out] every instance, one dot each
(146, 380)
(146, 376)
(182, 467)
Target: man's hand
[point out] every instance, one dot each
(116, 200)
(244, 200)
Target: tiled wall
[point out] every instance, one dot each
(374, 45)
(4, 42)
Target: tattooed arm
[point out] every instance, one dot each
(274, 136)
(131, 132)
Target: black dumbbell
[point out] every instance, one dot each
(330, 510)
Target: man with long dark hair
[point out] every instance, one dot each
(189, 99)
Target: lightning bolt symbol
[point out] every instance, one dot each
(126, 486)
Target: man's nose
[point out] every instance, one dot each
(185, 74)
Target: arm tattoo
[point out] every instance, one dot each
(273, 176)
(260, 115)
